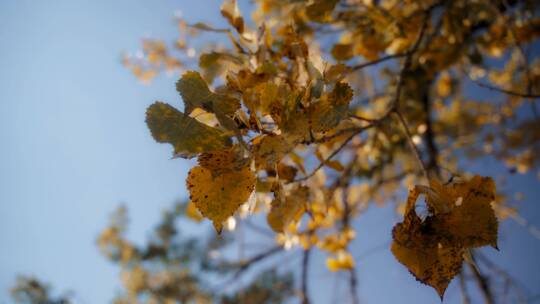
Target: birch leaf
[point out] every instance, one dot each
(186, 134)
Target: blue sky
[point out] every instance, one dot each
(74, 146)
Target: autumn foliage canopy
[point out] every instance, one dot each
(311, 111)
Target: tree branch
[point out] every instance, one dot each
(305, 265)
(353, 283)
(483, 284)
(375, 62)
(411, 144)
(508, 92)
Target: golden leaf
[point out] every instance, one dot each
(331, 109)
(427, 255)
(213, 64)
(269, 150)
(192, 212)
(222, 161)
(229, 10)
(289, 210)
(187, 135)
(286, 173)
(218, 197)
(471, 221)
(342, 51)
(320, 10)
(342, 261)
(461, 217)
(291, 117)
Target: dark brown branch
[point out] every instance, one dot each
(482, 283)
(463, 286)
(411, 144)
(321, 164)
(305, 266)
(353, 283)
(433, 150)
(408, 59)
(339, 133)
(375, 62)
(508, 92)
(244, 266)
(259, 229)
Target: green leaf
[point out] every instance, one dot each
(187, 135)
(196, 94)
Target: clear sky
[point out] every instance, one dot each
(74, 145)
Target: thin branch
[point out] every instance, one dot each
(353, 283)
(508, 92)
(367, 253)
(361, 118)
(339, 133)
(432, 149)
(245, 265)
(502, 273)
(258, 229)
(463, 286)
(483, 284)
(305, 266)
(411, 143)
(321, 164)
(375, 62)
(408, 59)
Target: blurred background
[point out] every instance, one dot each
(75, 146)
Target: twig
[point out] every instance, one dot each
(305, 265)
(321, 164)
(244, 266)
(433, 150)
(367, 253)
(483, 284)
(408, 58)
(339, 133)
(353, 283)
(463, 287)
(508, 92)
(259, 229)
(411, 143)
(361, 118)
(375, 62)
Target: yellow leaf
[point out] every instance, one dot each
(425, 256)
(431, 259)
(187, 135)
(222, 161)
(342, 51)
(192, 212)
(213, 64)
(336, 73)
(229, 10)
(218, 197)
(289, 210)
(471, 222)
(291, 116)
(286, 173)
(269, 150)
(461, 217)
(320, 10)
(342, 261)
(331, 109)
